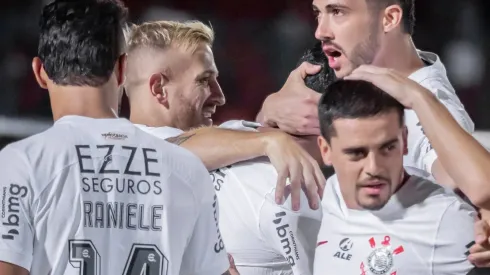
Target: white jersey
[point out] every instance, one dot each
(424, 229)
(99, 196)
(434, 78)
(263, 237)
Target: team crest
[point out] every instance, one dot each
(381, 260)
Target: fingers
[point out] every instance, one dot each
(311, 187)
(481, 259)
(297, 180)
(477, 248)
(480, 251)
(306, 69)
(320, 180)
(366, 76)
(482, 230)
(282, 177)
(233, 270)
(375, 70)
(301, 126)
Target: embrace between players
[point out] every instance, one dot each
(96, 194)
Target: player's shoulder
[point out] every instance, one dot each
(160, 132)
(426, 193)
(258, 173)
(434, 78)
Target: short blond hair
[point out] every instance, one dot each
(164, 34)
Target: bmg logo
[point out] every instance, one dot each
(16, 192)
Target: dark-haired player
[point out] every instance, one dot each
(380, 217)
(377, 32)
(95, 195)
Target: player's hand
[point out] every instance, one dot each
(480, 251)
(393, 83)
(293, 162)
(232, 270)
(294, 109)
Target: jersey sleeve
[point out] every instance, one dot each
(291, 233)
(424, 155)
(205, 252)
(453, 239)
(16, 230)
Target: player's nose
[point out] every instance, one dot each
(323, 31)
(217, 95)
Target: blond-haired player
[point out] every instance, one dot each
(172, 81)
(263, 238)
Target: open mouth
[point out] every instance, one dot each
(333, 56)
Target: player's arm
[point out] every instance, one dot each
(10, 269)
(218, 147)
(460, 158)
(17, 236)
(205, 252)
(294, 108)
(452, 243)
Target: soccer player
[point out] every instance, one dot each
(379, 32)
(94, 194)
(172, 81)
(379, 218)
(263, 237)
(443, 131)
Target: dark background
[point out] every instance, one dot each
(257, 44)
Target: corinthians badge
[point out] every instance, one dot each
(380, 261)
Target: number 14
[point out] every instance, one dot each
(143, 259)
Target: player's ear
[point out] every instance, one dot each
(39, 73)
(121, 69)
(405, 144)
(325, 150)
(392, 17)
(158, 87)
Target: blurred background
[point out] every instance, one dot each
(257, 44)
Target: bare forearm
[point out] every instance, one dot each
(10, 269)
(463, 157)
(221, 147)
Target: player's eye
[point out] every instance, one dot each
(316, 14)
(356, 155)
(390, 147)
(336, 11)
(204, 81)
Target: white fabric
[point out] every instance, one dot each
(428, 228)
(434, 78)
(103, 192)
(161, 132)
(261, 242)
(261, 235)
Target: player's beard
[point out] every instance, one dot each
(365, 52)
(372, 206)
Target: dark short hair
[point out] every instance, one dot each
(352, 99)
(320, 81)
(408, 8)
(81, 40)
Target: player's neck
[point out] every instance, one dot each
(401, 55)
(81, 101)
(147, 117)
